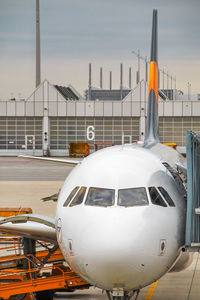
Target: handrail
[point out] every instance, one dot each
(30, 271)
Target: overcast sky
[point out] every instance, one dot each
(104, 32)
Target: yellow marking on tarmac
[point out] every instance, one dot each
(151, 291)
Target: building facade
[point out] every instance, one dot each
(51, 118)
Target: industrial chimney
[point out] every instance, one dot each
(101, 78)
(38, 76)
(130, 85)
(121, 80)
(90, 81)
(110, 80)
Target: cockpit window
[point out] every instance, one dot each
(100, 197)
(166, 196)
(156, 197)
(132, 197)
(78, 199)
(71, 195)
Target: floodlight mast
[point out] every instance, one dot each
(38, 76)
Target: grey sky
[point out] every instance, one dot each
(75, 32)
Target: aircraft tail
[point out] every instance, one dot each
(151, 136)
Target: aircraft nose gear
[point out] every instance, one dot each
(127, 296)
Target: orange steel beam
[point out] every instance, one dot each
(8, 212)
(28, 286)
(57, 255)
(67, 280)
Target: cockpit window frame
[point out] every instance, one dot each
(83, 192)
(166, 196)
(162, 200)
(133, 204)
(71, 196)
(98, 205)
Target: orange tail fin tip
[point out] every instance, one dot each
(153, 79)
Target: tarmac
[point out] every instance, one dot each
(24, 182)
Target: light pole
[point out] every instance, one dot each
(171, 82)
(167, 80)
(175, 88)
(146, 69)
(146, 64)
(163, 79)
(138, 57)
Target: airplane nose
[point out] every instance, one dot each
(116, 233)
(113, 253)
(106, 238)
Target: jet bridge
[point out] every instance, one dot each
(193, 184)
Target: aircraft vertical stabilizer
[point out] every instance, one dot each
(151, 136)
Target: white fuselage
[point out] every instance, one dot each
(117, 246)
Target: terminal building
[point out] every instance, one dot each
(54, 116)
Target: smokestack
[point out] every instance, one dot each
(121, 79)
(90, 81)
(110, 80)
(101, 78)
(38, 78)
(130, 78)
(137, 77)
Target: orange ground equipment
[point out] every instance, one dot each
(8, 212)
(173, 145)
(79, 149)
(55, 277)
(36, 275)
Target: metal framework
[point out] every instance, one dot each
(25, 134)
(173, 129)
(18, 133)
(106, 130)
(193, 182)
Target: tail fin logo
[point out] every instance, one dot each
(153, 79)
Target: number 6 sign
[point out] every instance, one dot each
(90, 133)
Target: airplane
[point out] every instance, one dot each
(121, 213)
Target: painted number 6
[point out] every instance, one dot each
(90, 133)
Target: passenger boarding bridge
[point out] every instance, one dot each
(193, 194)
